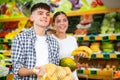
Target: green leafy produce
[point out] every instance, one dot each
(73, 21)
(4, 1)
(117, 27)
(63, 6)
(118, 16)
(95, 28)
(111, 15)
(96, 24)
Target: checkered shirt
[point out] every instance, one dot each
(24, 55)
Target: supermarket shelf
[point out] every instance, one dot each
(96, 74)
(6, 52)
(84, 38)
(93, 12)
(105, 56)
(2, 40)
(13, 19)
(98, 37)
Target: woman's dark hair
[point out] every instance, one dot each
(40, 5)
(58, 13)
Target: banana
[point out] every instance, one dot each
(82, 49)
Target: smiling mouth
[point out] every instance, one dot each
(43, 20)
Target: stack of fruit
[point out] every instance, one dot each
(107, 47)
(13, 33)
(10, 10)
(95, 47)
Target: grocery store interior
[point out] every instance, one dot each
(94, 23)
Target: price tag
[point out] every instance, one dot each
(106, 56)
(118, 37)
(118, 56)
(80, 39)
(9, 41)
(80, 71)
(1, 40)
(93, 72)
(93, 56)
(91, 38)
(105, 38)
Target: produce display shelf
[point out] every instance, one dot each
(105, 56)
(97, 38)
(96, 74)
(77, 13)
(2, 40)
(13, 19)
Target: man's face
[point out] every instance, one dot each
(40, 17)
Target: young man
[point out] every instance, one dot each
(33, 48)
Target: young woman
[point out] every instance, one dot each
(67, 43)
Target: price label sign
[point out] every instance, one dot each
(9, 41)
(1, 40)
(91, 38)
(80, 39)
(93, 56)
(105, 38)
(106, 56)
(118, 56)
(118, 37)
(80, 71)
(93, 72)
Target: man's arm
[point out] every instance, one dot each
(25, 72)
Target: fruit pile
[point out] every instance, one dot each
(116, 74)
(95, 46)
(13, 33)
(10, 10)
(109, 48)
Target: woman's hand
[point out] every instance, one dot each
(82, 54)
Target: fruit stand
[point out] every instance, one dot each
(105, 44)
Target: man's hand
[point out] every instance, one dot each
(40, 71)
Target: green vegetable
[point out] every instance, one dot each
(117, 27)
(111, 15)
(95, 28)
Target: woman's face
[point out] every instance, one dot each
(61, 23)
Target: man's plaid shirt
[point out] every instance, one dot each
(24, 55)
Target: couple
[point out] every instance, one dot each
(34, 48)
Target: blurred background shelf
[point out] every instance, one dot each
(93, 12)
(13, 19)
